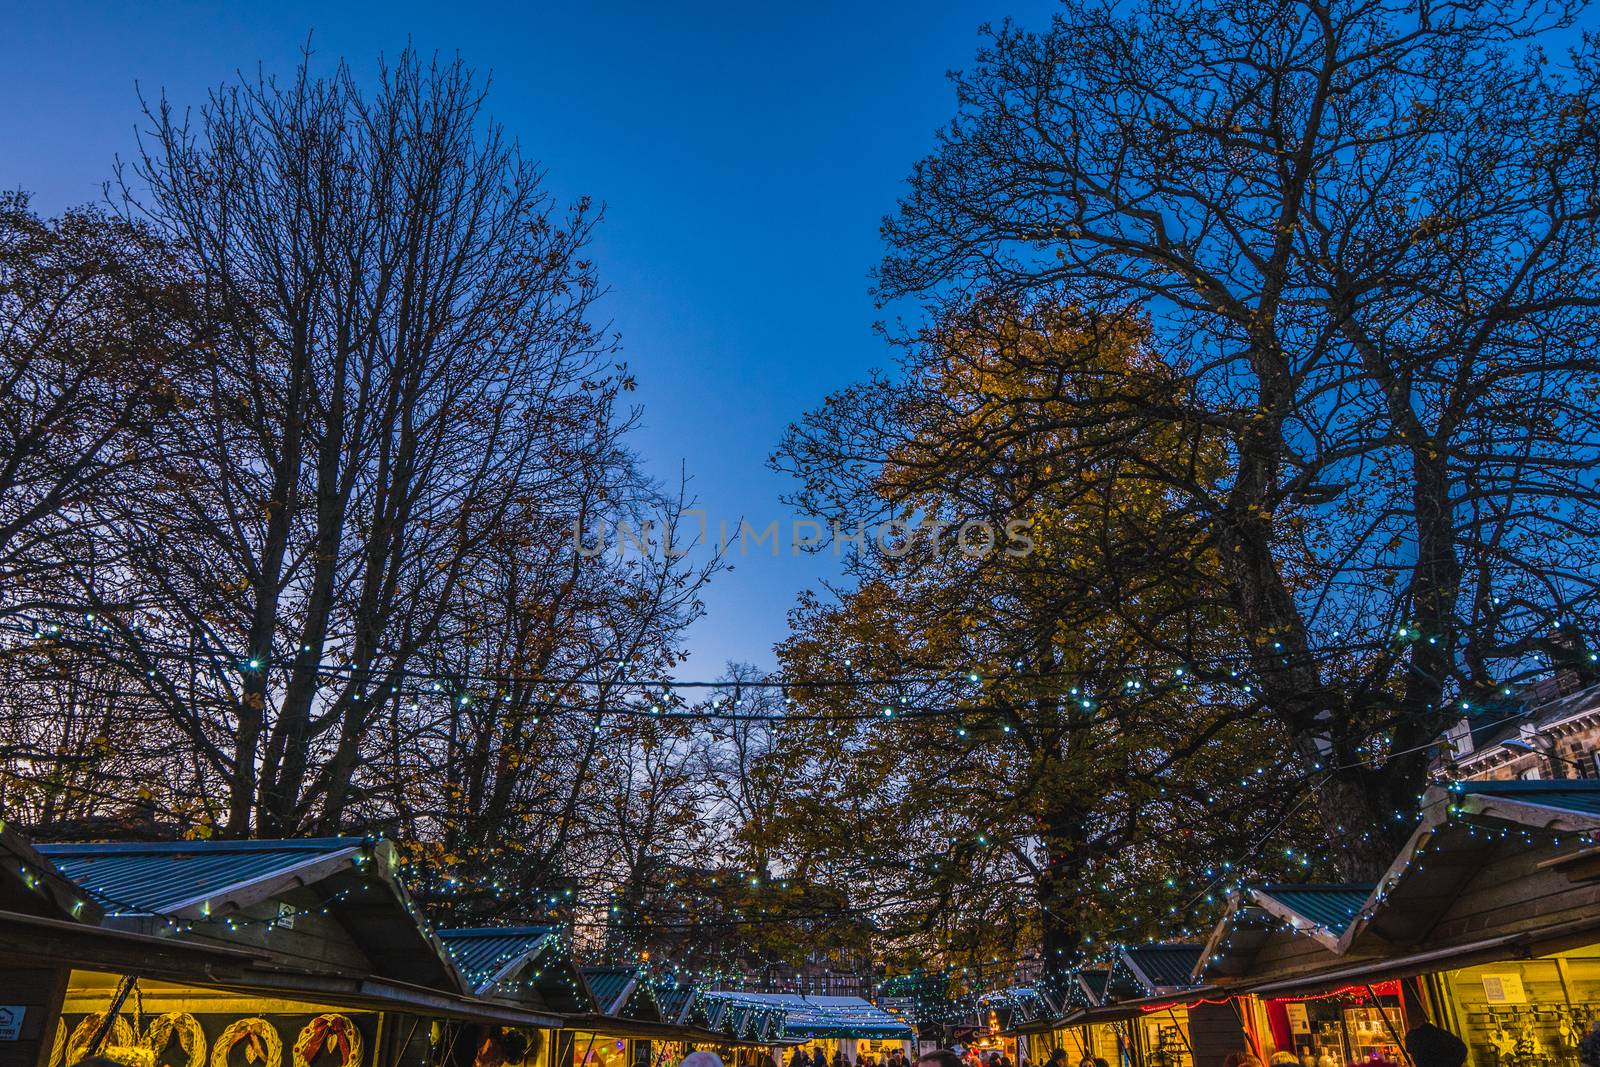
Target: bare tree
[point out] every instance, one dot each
(1365, 233)
(652, 819)
(746, 767)
(96, 328)
(513, 788)
(406, 340)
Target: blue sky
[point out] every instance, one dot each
(745, 152)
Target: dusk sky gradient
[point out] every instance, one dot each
(745, 154)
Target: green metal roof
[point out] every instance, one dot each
(608, 985)
(32, 885)
(816, 1017)
(1154, 967)
(483, 953)
(1331, 906)
(494, 957)
(621, 991)
(157, 878)
(200, 880)
(1092, 984)
(675, 1000)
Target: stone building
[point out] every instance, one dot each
(1550, 729)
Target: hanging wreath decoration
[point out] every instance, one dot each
(333, 1032)
(191, 1039)
(78, 1044)
(262, 1043)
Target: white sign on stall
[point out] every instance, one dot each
(1504, 989)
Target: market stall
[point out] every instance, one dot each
(336, 966)
(1288, 930)
(531, 967)
(1501, 881)
(1486, 924)
(49, 926)
(627, 1025)
(1006, 1013)
(1063, 1023)
(851, 1026)
(1169, 1019)
(1522, 1013)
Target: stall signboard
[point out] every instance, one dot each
(1299, 1021)
(1504, 988)
(11, 1021)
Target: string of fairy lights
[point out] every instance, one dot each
(552, 942)
(975, 692)
(662, 698)
(739, 918)
(1413, 861)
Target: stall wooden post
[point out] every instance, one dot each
(32, 1003)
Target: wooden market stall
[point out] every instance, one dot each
(1170, 1019)
(1147, 1009)
(1067, 1023)
(527, 967)
(850, 1025)
(677, 1000)
(627, 1022)
(1071, 1030)
(1011, 1011)
(704, 1019)
(1487, 924)
(48, 927)
(1297, 930)
(1496, 900)
(333, 962)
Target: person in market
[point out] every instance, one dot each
(799, 1059)
(1431, 1046)
(819, 1058)
(939, 1057)
(1058, 1058)
(1589, 1047)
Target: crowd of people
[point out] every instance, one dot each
(1426, 1045)
(818, 1058)
(897, 1058)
